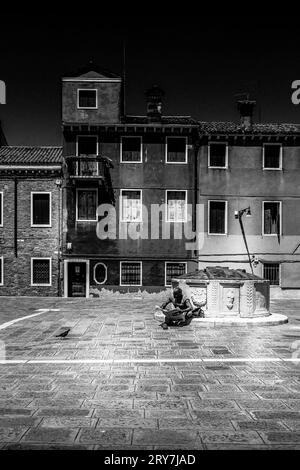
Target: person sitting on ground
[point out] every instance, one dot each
(181, 311)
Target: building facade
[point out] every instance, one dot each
(131, 164)
(251, 165)
(128, 202)
(30, 200)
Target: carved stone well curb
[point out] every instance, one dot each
(228, 294)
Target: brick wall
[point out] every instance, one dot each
(32, 242)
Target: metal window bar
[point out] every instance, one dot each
(271, 273)
(131, 274)
(174, 270)
(41, 272)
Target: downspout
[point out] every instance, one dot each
(16, 218)
(195, 225)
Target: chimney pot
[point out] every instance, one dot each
(154, 97)
(246, 108)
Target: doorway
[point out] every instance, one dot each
(76, 279)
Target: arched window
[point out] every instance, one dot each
(100, 273)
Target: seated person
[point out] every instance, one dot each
(182, 309)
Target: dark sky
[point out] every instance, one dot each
(200, 60)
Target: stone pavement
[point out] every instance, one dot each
(196, 387)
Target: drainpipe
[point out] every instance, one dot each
(16, 218)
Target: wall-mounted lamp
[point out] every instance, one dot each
(239, 214)
(58, 183)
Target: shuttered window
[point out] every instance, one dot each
(87, 204)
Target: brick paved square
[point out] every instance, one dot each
(77, 397)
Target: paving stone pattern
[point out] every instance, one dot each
(145, 405)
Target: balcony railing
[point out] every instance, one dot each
(87, 167)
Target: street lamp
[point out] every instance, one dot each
(238, 215)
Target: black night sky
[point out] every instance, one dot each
(201, 61)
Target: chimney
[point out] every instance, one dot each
(154, 98)
(245, 108)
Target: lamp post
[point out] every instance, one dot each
(238, 215)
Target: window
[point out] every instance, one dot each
(86, 205)
(217, 217)
(176, 206)
(1, 271)
(40, 209)
(87, 99)
(87, 145)
(271, 273)
(272, 156)
(100, 273)
(131, 205)
(176, 150)
(218, 155)
(131, 149)
(271, 218)
(1, 209)
(41, 271)
(173, 270)
(131, 274)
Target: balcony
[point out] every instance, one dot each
(87, 167)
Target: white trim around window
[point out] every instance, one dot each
(166, 204)
(50, 272)
(141, 273)
(96, 216)
(87, 89)
(94, 273)
(173, 262)
(186, 150)
(263, 220)
(226, 156)
(140, 219)
(50, 209)
(1, 209)
(280, 156)
(226, 216)
(141, 148)
(2, 271)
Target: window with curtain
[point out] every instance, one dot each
(131, 205)
(217, 155)
(176, 206)
(217, 217)
(41, 209)
(86, 204)
(131, 149)
(271, 211)
(131, 274)
(176, 149)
